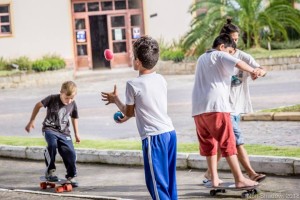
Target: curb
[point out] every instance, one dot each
(272, 116)
(263, 164)
(63, 195)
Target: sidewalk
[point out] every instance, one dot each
(19, 179)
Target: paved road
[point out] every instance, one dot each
(124, 182)
(279, 88)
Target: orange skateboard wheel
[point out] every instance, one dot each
(68, 187)
(43, 185)
(59, 189)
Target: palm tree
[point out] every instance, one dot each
(253, 17)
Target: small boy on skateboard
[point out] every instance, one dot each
(56, 130)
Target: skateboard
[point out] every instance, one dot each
(249, 191)
(63, 185)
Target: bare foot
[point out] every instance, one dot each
(207, 176)
(245, 183)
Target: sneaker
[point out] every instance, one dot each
(50, 176)
(73, 182)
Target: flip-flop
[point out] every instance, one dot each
(258, 177)
(206, 181)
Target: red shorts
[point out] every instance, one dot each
(215, 129)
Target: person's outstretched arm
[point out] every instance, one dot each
(112, 97)
(35, 111)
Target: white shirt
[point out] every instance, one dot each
(149, 94)
(240, 101)
(212, 82)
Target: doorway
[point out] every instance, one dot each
(99, 41)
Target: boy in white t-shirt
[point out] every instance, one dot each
(146, 99)
(240, 102)
(211, 108)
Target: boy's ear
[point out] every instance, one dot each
(138, 62)
(221, 47)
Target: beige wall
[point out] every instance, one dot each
(39, 27)
(172, 20)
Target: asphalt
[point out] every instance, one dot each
(18, 178)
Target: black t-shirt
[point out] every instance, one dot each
(57, 118)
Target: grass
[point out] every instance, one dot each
(136, 145)
(8, 72)
(294, 108)
(264, 53)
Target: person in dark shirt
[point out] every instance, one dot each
(56, 130)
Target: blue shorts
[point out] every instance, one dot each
(235, 119)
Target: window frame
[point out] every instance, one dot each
(6, 23)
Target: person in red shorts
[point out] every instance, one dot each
(211, 108)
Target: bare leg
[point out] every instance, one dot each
(207, 174)
(240, 180)
(212, 166)
(245, 162)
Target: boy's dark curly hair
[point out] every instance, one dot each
(224, 39)
(146, 49)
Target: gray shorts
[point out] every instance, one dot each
(235, 119)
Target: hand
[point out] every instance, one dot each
(77, 139)
(255, 73)
(109, 97)
(262, 73)
(253, 76)
(122, 120)
(29, 126)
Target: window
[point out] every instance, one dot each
(5, 23)
(118, 34)
(80, 34)
(79, 7)
(93, 6)
(120, 5)
(134, 4)
(106, 5)
(79, 24)
(136, 22)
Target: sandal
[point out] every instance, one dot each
(258, 177)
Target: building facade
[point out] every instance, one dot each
(80, 30)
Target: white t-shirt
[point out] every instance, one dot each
(240, 101)
(212, 82)
(149, 94)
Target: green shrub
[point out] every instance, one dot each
(49, 62)
(4, 64)
(174, 55)
(41, 65)
(23, 62)
(56, 62)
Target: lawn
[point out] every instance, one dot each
(136, 145)
(264, 53)
(294, 108)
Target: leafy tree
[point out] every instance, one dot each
(255, 18)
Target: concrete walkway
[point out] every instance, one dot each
(19, 179)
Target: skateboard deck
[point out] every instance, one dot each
(251, 190)
(63, 185)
